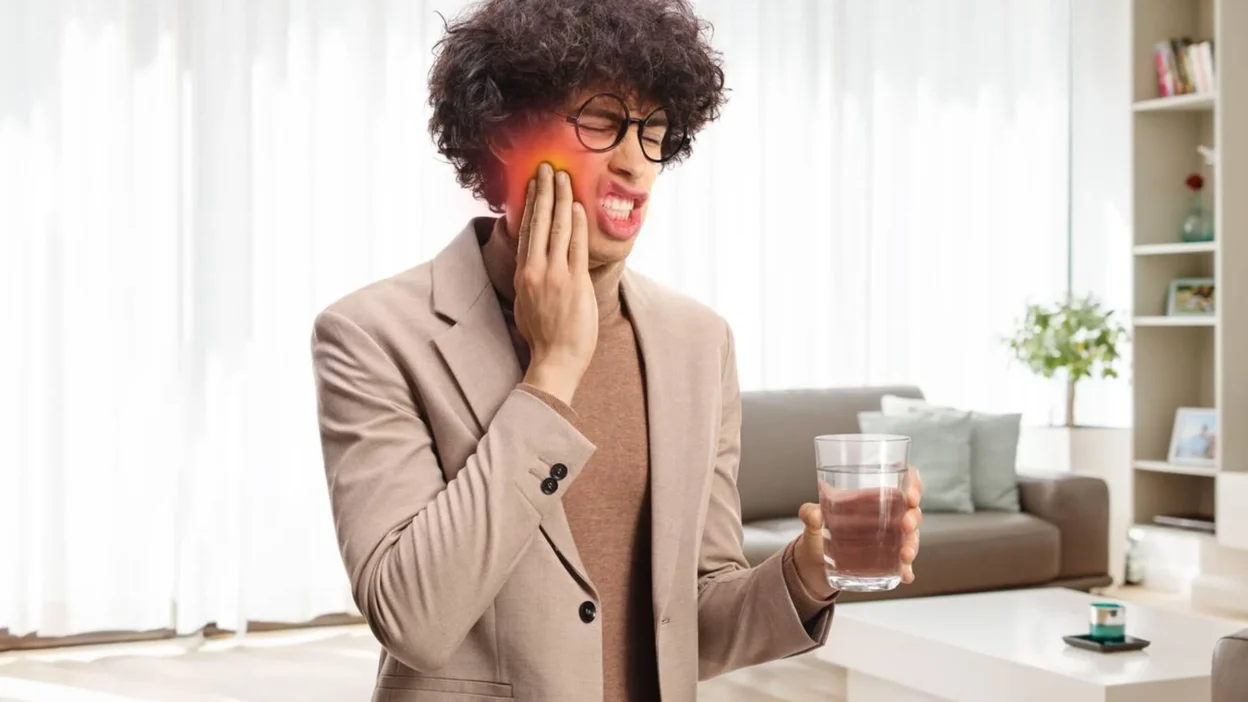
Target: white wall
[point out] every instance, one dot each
(1101, 182)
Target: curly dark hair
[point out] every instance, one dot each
(509, 60)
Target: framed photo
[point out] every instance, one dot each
(1194, 440)
(1191, 297)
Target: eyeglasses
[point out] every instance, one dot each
(603, 120)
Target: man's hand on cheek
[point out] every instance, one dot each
(577, 169)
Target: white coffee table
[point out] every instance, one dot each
(997, 646)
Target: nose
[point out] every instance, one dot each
(627, 159)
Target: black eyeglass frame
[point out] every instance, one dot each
(625, 123)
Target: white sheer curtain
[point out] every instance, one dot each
(885, 191)
(184, 184)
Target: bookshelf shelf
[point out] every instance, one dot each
(1178, 248)
(1164, 321)
(1189, 108)
(1165, 467)
(1198, 102)
(1175, 532)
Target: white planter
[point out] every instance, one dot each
(1095, 451)
(1099, 452)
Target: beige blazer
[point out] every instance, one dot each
(463, 566)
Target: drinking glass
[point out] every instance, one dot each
(862, 493)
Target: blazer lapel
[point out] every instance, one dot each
(481, 357)
(667, 390)
(477, 348)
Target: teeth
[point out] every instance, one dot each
(617, 207)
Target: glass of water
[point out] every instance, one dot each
(862, 493)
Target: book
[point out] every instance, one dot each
(1184, 67)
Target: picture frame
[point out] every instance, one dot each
(1192, 297)
(1194, 438)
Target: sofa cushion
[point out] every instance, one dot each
(957, 552)
(994, 452)
(765, 538)
(778, 430)
(940, 447)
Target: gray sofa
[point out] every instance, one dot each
(1230, 669)
(1059, 538)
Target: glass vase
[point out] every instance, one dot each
(1198, 222)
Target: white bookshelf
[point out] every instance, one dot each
(1174, 321)
(1190, 361)
(1176, 469)
(1200, 102)
(1170, 249)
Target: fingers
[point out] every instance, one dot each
(578, 247)
(910, 520)
(522, 252)
(811, 518)
(910, 549)
(914, 488)
(561, 224)
(539, 228)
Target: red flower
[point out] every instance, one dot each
(1195, 182)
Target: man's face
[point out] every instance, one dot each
(613, 186)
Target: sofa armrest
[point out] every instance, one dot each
(1230, 668)
(1079, 507)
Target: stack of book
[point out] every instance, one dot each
(1184, 67)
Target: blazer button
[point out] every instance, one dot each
(558, 471)
(549, 486)
(588, 612)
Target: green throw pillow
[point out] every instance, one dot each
(994, 452)
(940, 448)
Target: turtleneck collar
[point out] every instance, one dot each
(499, 255)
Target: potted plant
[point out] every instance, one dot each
(1076, 338)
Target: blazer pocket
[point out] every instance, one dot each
(455, 688)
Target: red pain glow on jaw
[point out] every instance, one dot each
(562, 153)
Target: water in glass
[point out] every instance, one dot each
(862, 511)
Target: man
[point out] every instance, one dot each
(532, 450)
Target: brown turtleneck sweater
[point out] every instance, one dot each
(608, 508)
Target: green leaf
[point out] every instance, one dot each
(1074, 336)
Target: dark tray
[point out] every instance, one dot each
(1087, 642)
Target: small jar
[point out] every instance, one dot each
(1107, 622)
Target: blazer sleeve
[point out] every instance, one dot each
(425, 557)
(746, 615)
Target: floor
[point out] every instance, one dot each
(336, 664)
(1173, 601)
(311, 665)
